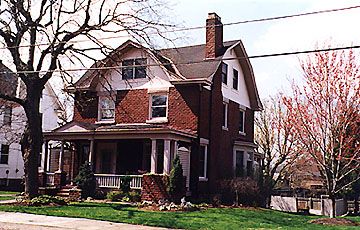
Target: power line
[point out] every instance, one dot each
(191, 62)
(199, 27)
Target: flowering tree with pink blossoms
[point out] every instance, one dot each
(325, 114)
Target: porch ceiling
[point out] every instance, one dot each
(85, 131)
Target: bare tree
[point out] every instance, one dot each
(276, 139)
(326, 116)
(42, 36)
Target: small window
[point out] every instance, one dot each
(107, 108)
(7, 115)
(225, 115)
(134, 68)
(203, 162)
(235, 79)
(242, 121)
(4, 154)
(239, 163)
(158, 106)
(224, 71)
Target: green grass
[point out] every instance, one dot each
(216, 218)
(7, 198)
(8, 193)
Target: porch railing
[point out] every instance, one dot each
(50, 179)
(114, 181)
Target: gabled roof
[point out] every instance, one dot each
(184, 64)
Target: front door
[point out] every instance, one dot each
(106, 158)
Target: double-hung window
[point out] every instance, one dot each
(241, 121)
(4, 154)
(203, 162)
(225, 115)
(159, 106)
(239, 163)
(107, 108)
(224, 73)
(235, 79)
(133, 68)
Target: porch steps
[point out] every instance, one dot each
(64, 191)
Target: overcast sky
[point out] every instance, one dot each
(286, 35)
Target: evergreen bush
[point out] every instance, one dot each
(86, 180)
(176, 184)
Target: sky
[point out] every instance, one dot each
(287, 35)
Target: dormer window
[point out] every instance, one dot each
(134, 68)
(106, 109)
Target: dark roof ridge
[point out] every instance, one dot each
(202, 44)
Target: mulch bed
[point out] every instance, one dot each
(335, 222)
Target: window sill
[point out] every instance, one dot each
(157, 120)
(242, 133)
(203, 179)
(225, 128)
(105, 122)
(136, 80)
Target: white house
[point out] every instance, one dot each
(12, 123)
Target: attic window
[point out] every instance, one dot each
(7, 115)
(134, 68)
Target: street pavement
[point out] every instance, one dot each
(24, 221)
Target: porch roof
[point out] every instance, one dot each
(75, 130)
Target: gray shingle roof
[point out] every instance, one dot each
(195, 56)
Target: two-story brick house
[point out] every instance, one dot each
(138, 107)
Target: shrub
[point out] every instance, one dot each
(115, 195)
(125, 184)
(47, 200)
(86, 180)
(134, 196)
(176, 184)
(242, 190)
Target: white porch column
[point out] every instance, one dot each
(153, 156)
(91, 151)
(61, 156)
(45, 156)
(167, 157)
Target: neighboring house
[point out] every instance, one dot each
(197, 102)
(12, 123)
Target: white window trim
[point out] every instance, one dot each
(100, 120)
(204, 178)
(242, 132)
(225, 127)
(155, 120)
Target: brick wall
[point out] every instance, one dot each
(132, 106)
(154, 187)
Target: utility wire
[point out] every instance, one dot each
(190, 62)
(197, 27)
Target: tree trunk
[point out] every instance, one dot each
(333, 206)
(31, 141)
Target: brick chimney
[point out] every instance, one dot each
(214, 36)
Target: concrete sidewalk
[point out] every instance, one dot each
(19, 221)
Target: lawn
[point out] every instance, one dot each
(216, 218)
(8, 193)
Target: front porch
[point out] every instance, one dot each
(112, 156)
